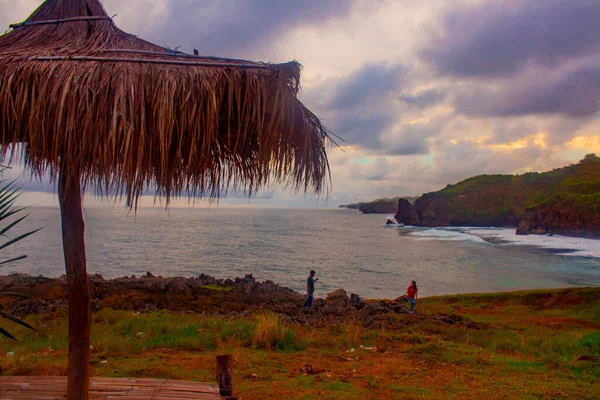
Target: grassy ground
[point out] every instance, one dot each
(541, 344)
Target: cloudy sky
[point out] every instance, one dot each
(424, 93)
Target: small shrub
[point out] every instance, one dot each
(219, 288)
(352, 334)
(272, 333)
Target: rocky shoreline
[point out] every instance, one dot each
(231, 298)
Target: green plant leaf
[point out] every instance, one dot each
(8, 335)
(7, 228)
(23, 236)
(10, 212)
(9, 193)
(17, 320)
(12, 260)
(23, 296)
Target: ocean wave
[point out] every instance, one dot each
(447, 235)
(394, 225)
(565, 245)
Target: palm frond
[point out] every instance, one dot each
(18, 238)
(12, 260)
(23, 296)
(8, 195)
(4, 332)
(16, 320)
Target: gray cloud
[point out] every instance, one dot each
(510, 131)
(370, 84)
(457, 161)
(363, 129)
(494, 38)
(231, 27)
(424, 98)
(409, 145)
(360, 106)
(413, 139)
(573, 91)
(376, 171)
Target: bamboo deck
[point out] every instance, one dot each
(51, 388)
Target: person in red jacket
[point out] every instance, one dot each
(411, 293)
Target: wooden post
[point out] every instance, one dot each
(225, 376)
(69, 196)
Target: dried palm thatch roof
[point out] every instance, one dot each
(124, 114)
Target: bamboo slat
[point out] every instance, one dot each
(55, 387)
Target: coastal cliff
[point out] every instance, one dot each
(377, 206)
(564, 201)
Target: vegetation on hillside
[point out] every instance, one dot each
(377, 206)
(533, 344)
(567, 198)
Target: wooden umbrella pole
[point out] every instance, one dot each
(69, 193)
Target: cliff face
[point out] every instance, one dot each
(379, 206)
(566, 214)
(565, 200)
(382, 206)
(353, 206)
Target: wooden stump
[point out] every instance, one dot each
(225, 376)
(69, 196)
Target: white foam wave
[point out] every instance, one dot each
(394, 225)
(446, 235)
(573, 246)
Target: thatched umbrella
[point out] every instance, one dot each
(88, 104)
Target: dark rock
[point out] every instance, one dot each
(474, 325)
(246, 280)
(406, 213)
(356, 301)
(522, 229)
(370, 309)
(178, 286)
(207, 280)
(335, 308)
(398, 308)
(149, 274)
(587, 358)
(337, 303)
(318, 303)
(401, 299)
(337, 295)
(449, 319)
(390, 222)
(36, 306)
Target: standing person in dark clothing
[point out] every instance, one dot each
(310, 289)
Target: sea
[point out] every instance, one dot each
(347, 249)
